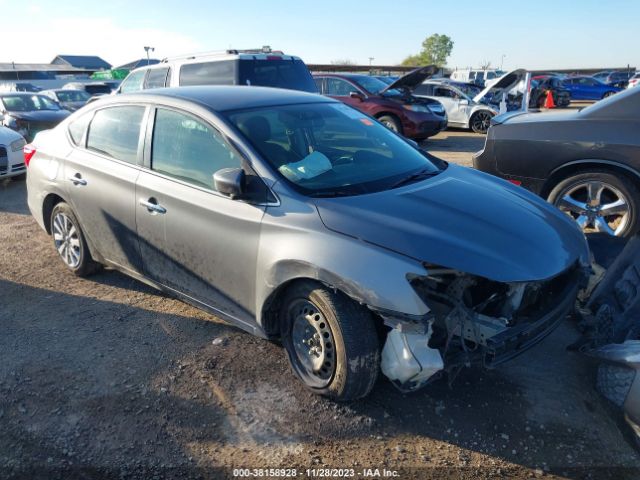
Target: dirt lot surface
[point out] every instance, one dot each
(105, 377)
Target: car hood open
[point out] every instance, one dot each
(505, 83)
(413, 78)
(465, 220)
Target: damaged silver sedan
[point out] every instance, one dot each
(296, 217)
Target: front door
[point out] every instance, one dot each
(101, 175)
(193, 239)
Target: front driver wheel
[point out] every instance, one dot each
(330, 340)
(600, 202)
(480, 121)
(70, 242)
(392, 123)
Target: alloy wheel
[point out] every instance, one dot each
(481, 122)
(596, 206)
(66, 239)
(313, 341)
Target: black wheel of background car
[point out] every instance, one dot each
(599, 201)
(480, 121)
(391, 122)
(330, 340)
(70, 242)
(608, 94)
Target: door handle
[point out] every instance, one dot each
(151, 206)
(77, 180)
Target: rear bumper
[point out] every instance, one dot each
(485, 162)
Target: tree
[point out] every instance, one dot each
(344, 61)
(435, 51)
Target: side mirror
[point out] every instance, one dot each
(357, 95)
(230, 182)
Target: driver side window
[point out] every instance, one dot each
(338, 87)
(188, 149)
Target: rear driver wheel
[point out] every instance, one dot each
(69, 241)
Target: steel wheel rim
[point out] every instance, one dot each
(596, 206)
(313, 341)
(481, 121)
(66, 239)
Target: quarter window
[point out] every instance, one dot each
(209, 73)
(115, 132)
(78, 127)
(188, 149)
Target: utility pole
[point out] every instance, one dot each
(146, 49)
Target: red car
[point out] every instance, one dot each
(391, 104)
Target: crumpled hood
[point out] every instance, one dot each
(465, 220)
(41, 115)
(504, 83)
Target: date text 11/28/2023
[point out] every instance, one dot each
(314, 473)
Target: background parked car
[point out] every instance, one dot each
(542, 84)
(94, 89)
(18, 87)
(633, 81)
(619, 79)
(29, 113)
(585, 162)
(582, 87)
(462, 111)
(70, 100)
(478, 76)
(11, 158)
(391, 104)
(259, 67)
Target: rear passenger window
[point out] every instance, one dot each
(157, 78)
(209, 73)
(115, 132)
(188, 149)
(78, 127)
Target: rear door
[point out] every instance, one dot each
(193, 239)
(101, 174)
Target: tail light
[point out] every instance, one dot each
(29, 151)
(515, 182)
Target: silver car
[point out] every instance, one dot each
(296, 217)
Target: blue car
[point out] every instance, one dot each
(588, 88)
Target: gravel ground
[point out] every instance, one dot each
(105, 377)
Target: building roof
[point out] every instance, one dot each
(39, 67)
(138, 63)
(90, 62)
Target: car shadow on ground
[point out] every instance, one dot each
(115, 387)
(455, 140)
(13, 196)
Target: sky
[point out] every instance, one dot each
(538, 34)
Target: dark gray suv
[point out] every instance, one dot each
(296, 217)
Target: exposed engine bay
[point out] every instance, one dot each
(473, 320)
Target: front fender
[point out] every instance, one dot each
(368, 274)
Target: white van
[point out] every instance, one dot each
(477, 76)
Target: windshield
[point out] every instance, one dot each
(28, 103)
(329, 149)
(73, 96)
(291, 74)
(374, 85)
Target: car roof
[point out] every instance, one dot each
(232, 97)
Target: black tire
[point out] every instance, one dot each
(391, 122)
(76, 245)
(479, 121)
(620, 182)
(608, 94)
(354, 353)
